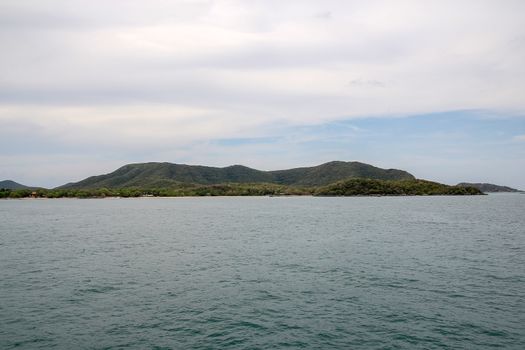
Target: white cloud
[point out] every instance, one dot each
(519, 138)
(167, 74)
(436, 55)
(125, 126)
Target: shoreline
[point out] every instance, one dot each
(265, 196)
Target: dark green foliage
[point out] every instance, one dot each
(349, 187)
(485, 187)
(167, 175)
(233, 189)
(371, 187)
(4, 192)
(21, 193)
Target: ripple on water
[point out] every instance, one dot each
(243, 273)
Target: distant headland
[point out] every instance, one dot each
(489, 188)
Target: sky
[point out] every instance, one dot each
(436, 88)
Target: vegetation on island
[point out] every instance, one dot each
(490, 188)
(349, 187)
(179, 180)
(195, 190)
(168, 175)
(372, 187)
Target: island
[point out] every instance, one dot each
(335, 178)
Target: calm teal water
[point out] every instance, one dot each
(263, 273)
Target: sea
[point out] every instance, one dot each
(436, 272)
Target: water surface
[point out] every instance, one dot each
(263, 273)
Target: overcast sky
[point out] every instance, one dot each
(436, 88)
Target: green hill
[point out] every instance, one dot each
(331, 172)
(11, 185)
(165, 175)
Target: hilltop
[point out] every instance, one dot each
(11, 185)
(165, 175)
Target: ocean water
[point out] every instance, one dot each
(263, 273)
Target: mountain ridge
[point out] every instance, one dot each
(164, 174)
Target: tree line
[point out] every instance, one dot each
(350, 187)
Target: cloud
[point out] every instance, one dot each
(227, 51)
(519, 138)
(120, 127)
(136, 79)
